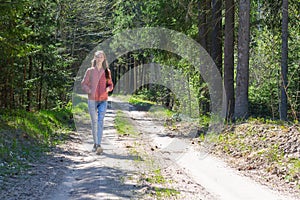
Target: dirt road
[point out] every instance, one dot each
(126, 169)
(150, 165)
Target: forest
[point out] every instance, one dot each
(254, 44)
(249, 63)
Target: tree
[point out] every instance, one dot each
(284, 61)
(203, 36)
(242, 79)
(202, 23)
(33, 74)
(216, 44)
(229, 57)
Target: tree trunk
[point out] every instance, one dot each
(130, 74)
(135, 75)
(216, 42)
(229, 58)
(41, 87)
(24, 79)
(203, 35)
(242, 79)
(202, 26)
(5, 93)
(189, 96)
(119, 76)
(208, 12)
(11, 88)
(28, 107)
(2, 85)
(284, 59)
(9, 84)
(143, 76)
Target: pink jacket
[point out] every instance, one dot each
(94, 84)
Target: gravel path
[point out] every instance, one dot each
(177, 150)
(150, 165)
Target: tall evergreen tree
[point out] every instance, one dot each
(242, 79)
(284, 61)
(216, 44)
(229, 57)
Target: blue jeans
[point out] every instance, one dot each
(97, 110)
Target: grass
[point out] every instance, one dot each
(160, 112)
(293, 170)
(26, 135)
(250, 139)
(136, 155)
(263, 144)
(81, 107)
(135, 100)
(155, 111)
(166, 192)
(155, 177)
(123, 124)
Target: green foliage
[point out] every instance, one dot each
(204, 121)
(265, 55)
(25, 135)
(42, 44)
(33, 70)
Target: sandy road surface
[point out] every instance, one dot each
(150, 165)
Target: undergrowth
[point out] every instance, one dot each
(271, 146)
(24, 136)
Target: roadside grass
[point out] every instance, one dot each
(27, 135)
(269, 145)
(123, 124)
(160, 112)
(135, 100)
(80, 106)
(153, 176)
(166, 192)
(157, 111)
(170, 118)
(157, 181)
(265, 145)
(136, 154)
(156, 177)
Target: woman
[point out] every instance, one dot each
(97, 83)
